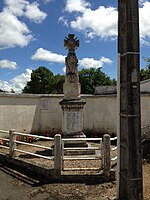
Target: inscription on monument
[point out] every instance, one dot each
(72, 121)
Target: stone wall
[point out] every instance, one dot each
(42, 113)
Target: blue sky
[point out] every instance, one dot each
(32, 33)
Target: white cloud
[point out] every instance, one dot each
(13, 32)
(25, 8)
(63, 20)
(64, 69)
(20, 81)
(102, 22)
(5, 86)
(42, 54)
(76, 5)
(47, 1)
(90, 62)
(15, 7)
(45, 55)
(17, 83)
(144, 13)
(8, 64)
(105, 60)
(34, 13)
(142, 1)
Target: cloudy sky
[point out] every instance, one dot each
(32, 33)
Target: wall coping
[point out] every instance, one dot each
(84, 96)
(23, 95)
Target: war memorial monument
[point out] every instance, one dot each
(72, 105)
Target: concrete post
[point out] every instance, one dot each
(130, 176)
(12, 144)
(118, 128)
(106, 156)
(57, 156)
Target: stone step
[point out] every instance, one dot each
(81, 152)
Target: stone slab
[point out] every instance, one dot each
(72, 122)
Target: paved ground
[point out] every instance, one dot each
(13, 186)
(16, 186)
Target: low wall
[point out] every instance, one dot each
(42, 113)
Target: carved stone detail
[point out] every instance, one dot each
(71, 86)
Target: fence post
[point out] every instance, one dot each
(106, 154)
(12, 144)
(57, 156)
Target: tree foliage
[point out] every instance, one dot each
(91, 78)
(43, 81)
(58, 84)
(145, 73)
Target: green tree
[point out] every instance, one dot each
(145, 73)
(58, 83)
(42, 81)
(1, 90)
(90, 78)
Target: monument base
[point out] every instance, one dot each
(75, 143)
(72, 124)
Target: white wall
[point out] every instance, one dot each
(41, 113)
(100, 113)
(145, 109)
(145, 86)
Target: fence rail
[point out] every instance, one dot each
(102, 150)
(81, 151)
(145, 133)
(33, 145)
(31, 135)
(2, 131)
(5, 147)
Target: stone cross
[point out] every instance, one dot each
(71, 43)
(72, 78)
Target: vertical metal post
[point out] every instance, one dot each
(130, 176)
(12, 144)
(57, 156)
(106, 150)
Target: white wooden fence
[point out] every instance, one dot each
(145, 133)
(59, 148)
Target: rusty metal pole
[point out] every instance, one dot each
(130, 173)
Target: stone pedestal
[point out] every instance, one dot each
(72, 124)
(71, 90)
